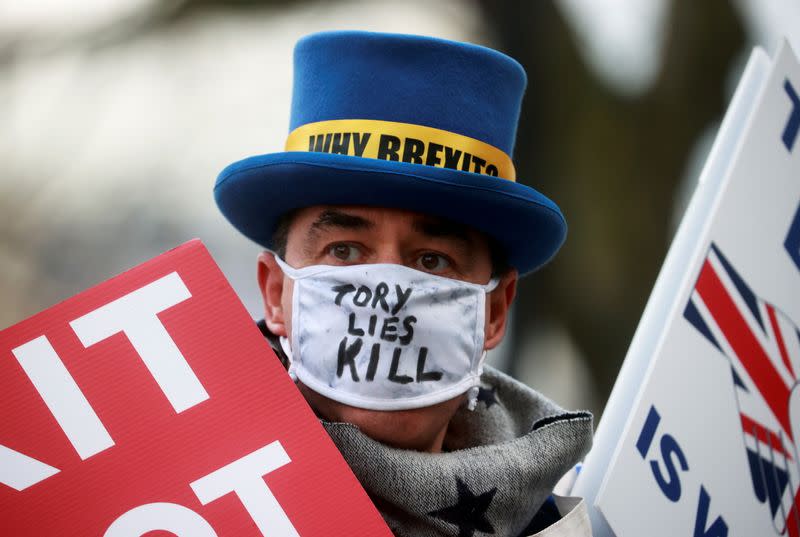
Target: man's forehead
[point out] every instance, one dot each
(312, 227)
(322, 217)
(306, 230)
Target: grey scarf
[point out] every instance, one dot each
(500, 464)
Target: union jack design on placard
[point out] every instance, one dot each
(763, 346)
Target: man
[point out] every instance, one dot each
(396, 234)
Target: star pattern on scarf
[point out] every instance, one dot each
(469, 513)
(487, 396)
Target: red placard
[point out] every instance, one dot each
(152, 403)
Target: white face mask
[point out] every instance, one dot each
(384, 336)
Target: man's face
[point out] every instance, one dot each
(344, 235)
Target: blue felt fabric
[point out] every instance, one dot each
(462, 88)
(253, 194)
(457, 87)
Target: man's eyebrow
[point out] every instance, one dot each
(339, 219)
(440, 228)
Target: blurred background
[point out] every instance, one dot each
(115, 118)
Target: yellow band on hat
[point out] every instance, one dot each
(389, 140)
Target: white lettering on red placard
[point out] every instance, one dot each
(135, 314)
(174, 518)
(124, 384)
(245, 477)
(63, 397)
(19, 471)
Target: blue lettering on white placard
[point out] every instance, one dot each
(671, 486)
(789, 136)
(792, 242)
(793, 123)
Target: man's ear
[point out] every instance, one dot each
(270, 281)
(498, 306)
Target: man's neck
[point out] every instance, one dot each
(403, 429)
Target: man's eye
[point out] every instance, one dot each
(433, 262)
(344, 252)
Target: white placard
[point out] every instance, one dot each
(708, 446)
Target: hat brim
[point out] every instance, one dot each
(253, 193)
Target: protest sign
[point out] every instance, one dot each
(152, 403)
(708, 394)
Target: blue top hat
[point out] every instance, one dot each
(399, 121)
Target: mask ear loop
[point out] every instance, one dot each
(283, 340)
(472, 398)
(287, 350)
(291, 272)
(472, 393)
